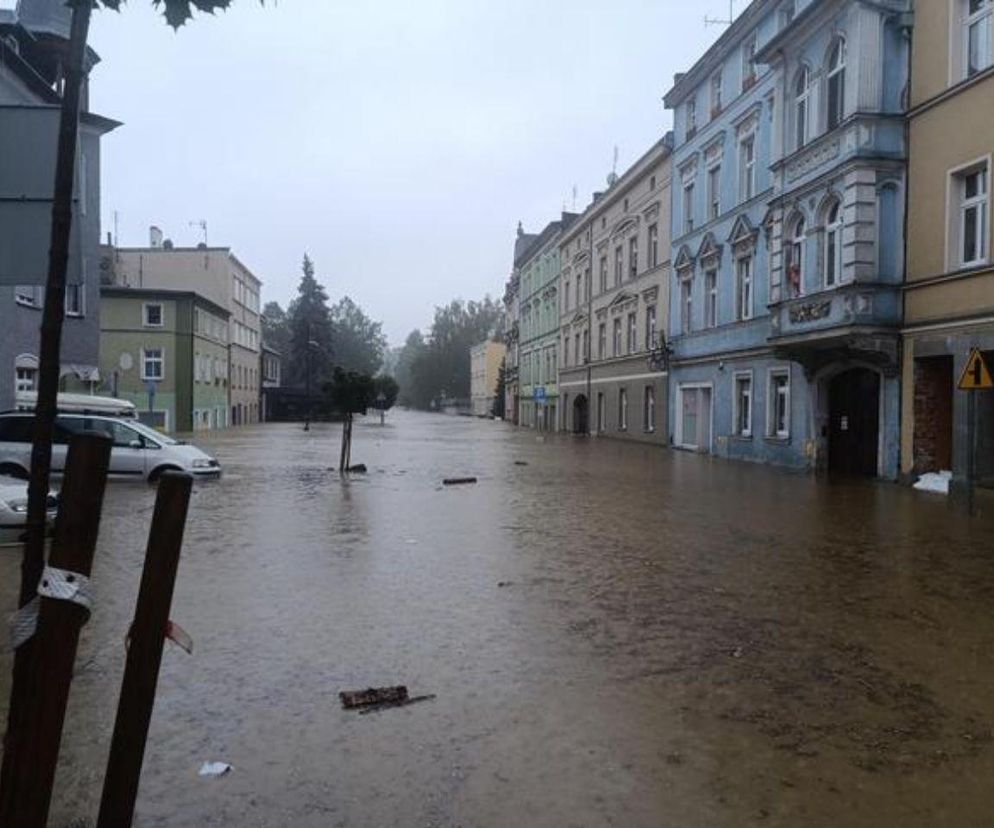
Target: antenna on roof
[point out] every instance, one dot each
(714, 21)
(612, 176)
(574, 198)
(202, 224)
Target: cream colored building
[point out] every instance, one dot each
(949, 297)
(216, 274)
(614, 284)
(485, 360)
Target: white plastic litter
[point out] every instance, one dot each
(937, 483)
(215, 768)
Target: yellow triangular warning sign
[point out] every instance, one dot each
(976, 376)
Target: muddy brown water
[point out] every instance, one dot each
(616, 635)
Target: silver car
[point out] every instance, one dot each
(138, 451)
(14, 510)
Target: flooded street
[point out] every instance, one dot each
(616, 636)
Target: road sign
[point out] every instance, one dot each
(539, 394)
(976, 376)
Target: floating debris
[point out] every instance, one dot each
(458, 481)
(215, 769)
(373, 708)
(372, 695)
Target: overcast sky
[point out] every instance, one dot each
(398, 143)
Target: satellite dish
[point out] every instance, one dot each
(126, 362)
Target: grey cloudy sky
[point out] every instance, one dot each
(398, 143)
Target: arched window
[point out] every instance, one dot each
(833, 244)
(802, 108)
(795, 257)
(837, 84)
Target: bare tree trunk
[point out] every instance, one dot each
(48, 384)
(345, 436)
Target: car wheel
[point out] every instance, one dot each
(157, 473)
(12, 470)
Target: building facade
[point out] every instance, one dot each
(538, 370)
(32, 38)
(485, 361)
(788, 237)
(219, 277)
(614, 284)
(271, 379)
(949, 296)
(167, 352)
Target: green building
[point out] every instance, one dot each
(167, 352)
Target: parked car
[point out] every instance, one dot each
(80, 404)
(138, 451)
(14, 509)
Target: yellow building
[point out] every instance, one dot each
(485, 360)
(949, 298)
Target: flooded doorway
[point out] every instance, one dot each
(854, 422)
(694, 417)
(581, 415)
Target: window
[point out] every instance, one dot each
(743, 405)
(649, 409)
(688, 207)
(837, 84)
(616, 338)
(566, 296)
(152, 315)
(650, 327)
(716, 80)
(652, 183)
(795, 259)
(603, 274)
(747, 168)
(802, 106)
(973, 191)
(632, 333)
(579, 289)
(625, 208)
(743, 288)
(74, 300)
(652, 247)
(586, 345)
(979, 36)
(566, 351)
(29, 295)
(26, 379)
(601, 413)
(833, 245)
(787, 11)
(691, 118)
(778, 406)
(586, 284)
(152, 364)
(578, 354)
(633, 257)
(714, 192)
(619, 265)
(622, 409)
(602, 340)
(711, 299)
(749, 63)
(686, 305)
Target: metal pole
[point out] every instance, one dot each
(971, 460)
(34, 753)
(141, 673)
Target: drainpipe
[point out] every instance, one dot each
(590, 324)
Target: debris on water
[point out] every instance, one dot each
(372, 695)
(937, 483)
(373, 708)
(737, 652)
(458, 481)
(520, 462)
(179, 636)
(359, 468)
(215, 769)
(505, 583)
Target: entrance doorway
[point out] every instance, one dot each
(581, 415)
(694, 418)
(854, 422)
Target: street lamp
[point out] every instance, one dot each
(307, 404)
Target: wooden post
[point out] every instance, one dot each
(34, 752)
(141, 673)
(48, 374)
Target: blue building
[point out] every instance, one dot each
(789, 176)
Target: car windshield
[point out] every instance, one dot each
(151, 433)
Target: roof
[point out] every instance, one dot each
(167, 250)
(121, 292)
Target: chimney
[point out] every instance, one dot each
(154, 237)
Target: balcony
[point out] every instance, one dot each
(854, 321)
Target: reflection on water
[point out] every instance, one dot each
(616, 635)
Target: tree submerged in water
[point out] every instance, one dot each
(349, 393)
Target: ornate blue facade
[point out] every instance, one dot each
(789, 178)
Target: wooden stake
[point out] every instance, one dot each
(141, 674)
(35, 752)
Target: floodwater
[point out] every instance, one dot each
(616, 635)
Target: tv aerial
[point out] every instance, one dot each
(717, 21)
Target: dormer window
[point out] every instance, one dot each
(716, 81)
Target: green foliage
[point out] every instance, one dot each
(276, 329)
(176, 12)
(413, 346)
(499, 407)
(388, 387)
(359, 341)
(310, 332)
(350, 392)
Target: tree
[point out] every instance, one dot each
(499, 402)
(349, 393)
(404, 372)
(276, 328)
(388, 387)
(311, 339)
(177, 12)
(359, 341)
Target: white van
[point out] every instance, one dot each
(139, 452)
(80, 404)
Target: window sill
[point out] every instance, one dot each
(777, 440)
(24, 303)
(741, 438)
(72, 315)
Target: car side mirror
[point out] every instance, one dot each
(136, 444)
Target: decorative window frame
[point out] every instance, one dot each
(954, 208)
(746, 434)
